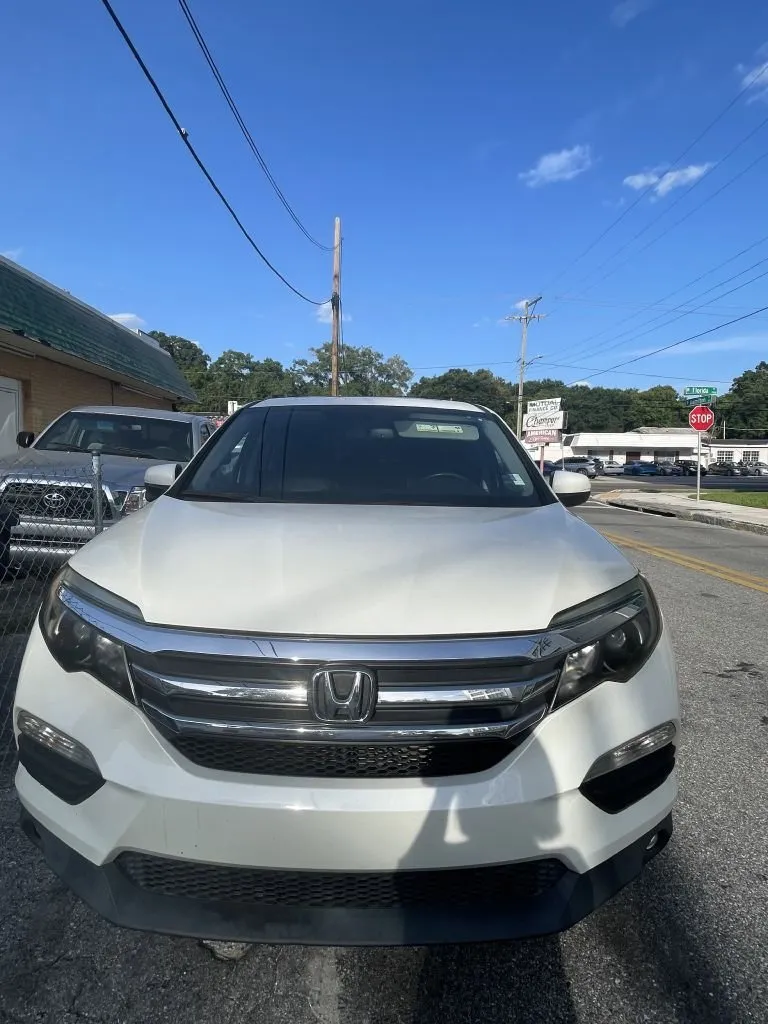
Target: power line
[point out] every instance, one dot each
(562, 366)
(185, 139)
(583, 345)
(671, 206)
(674, 344)
(641, 307)
(190, 18)
(652, 330)
(729, 106)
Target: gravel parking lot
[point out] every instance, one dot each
(688, 942)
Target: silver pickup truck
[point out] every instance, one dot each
(47, 507)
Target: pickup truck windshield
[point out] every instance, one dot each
(119, 435)
(364, 454)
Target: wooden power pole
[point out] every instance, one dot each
(336, 308)
(524, 319)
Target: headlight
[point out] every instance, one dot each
(131, 501)
(78, 645)
(619, 631)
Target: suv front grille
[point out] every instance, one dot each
(257, 716)
(49, 500)
(488, 887)
(346, 760)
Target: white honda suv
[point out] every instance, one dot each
(356, 677)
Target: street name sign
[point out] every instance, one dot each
(700, 391)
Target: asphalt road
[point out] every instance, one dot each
(686, 943)
(656, 483)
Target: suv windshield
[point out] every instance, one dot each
(119, 435)
(364, 454)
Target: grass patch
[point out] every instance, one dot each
(757, 499)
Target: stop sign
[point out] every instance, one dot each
(701, 418)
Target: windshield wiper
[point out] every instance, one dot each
(60, 446)
(214, 496)
(135, 452)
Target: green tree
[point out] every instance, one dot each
(186, 354)
(744, 409)
(480, 387)
(240, 377)
(363, 371)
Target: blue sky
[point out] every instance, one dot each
(473, 150)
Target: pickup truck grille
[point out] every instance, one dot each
(53, 501)
(259, 716)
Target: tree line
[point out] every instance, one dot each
(366, 372)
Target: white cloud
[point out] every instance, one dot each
(628, 10)
(130, 320)
(323, 314)
(663, 182)
(12, 254)
(581, 384)
(755, 79)
(737, 343)
(561, 166)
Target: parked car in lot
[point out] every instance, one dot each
(724, 469)
(580, 464)
(612, 468)
(755, 469)
(665, 468)
(641, 469)
(49, 485)
(688, 467)
(411, 633)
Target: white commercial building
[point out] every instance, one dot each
(738, 450)
(646, 444)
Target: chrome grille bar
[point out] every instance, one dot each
(402, 697)
(179, 725)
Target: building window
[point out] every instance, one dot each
(725, 455)
(751, 456)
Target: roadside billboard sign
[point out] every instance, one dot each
(542, 437)
(544, 405)
(543, 421)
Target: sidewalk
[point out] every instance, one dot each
(715, 513)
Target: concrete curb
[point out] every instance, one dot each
(691, 515)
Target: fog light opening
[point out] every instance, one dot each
(55, 740)
(652, 842)
(633, 750)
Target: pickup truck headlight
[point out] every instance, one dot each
(620, 631)
(76, 643)
(131, 501)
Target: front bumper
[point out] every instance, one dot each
(111, 893)
(526, 809)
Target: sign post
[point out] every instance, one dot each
(701, 418)
(542, 424)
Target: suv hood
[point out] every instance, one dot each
(123, 471)
(361, 571)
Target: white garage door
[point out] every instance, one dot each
(10, 415)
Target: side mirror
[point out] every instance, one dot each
(158, 479)
(571, 488)
(25, 438)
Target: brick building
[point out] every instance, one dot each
(57, 352)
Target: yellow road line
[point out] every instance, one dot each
(721, 572)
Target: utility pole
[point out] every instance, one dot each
(525, 318)
(336, 308)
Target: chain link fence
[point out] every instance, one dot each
(46, 515)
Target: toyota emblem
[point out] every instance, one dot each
(54, 501)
